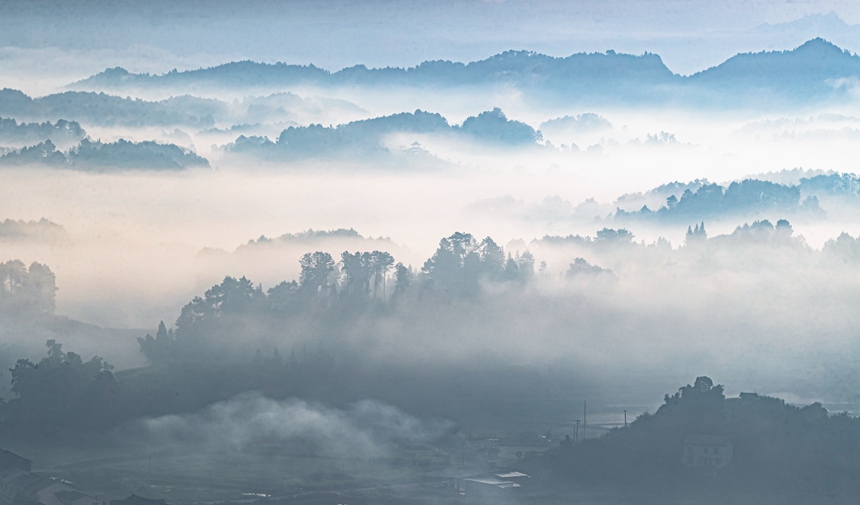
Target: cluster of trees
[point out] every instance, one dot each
(26, 291)
(607, 237)
(581, 267)
(776, 446)
(461, 263)
(844, 248)
(309, 236)
(760, 243)
(366, 137)
(329, 289)
(13, 132)
(696, 235)
(60, 390)
(119, 155)
(63, 394)
(835, 184)
(712, 200)
(107, 110)
(42, 230)
(582, 123)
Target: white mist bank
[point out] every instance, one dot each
(133, 258)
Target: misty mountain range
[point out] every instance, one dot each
(365, 138)
(809, 198)
(813, 72)
(95, 155)
(750, 196)
(23, 134)
(106, 110)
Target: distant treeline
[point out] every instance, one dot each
(334, 290)
(109, 111)
(13, 132)
(760, 80)
(184, 111)
(712, 201)
(98, 156)
(701, 200)
(366, 138)
(42, 230)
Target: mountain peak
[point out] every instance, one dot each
(820, 22)
(819, 45)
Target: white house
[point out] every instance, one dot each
(707, 451)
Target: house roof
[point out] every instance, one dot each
(11, 456)
(707, 440)
(139, 500)
(70, 496)
(6, 471)
(46, 483)
(454, 473)
(493, 481)
(510, 475)
(22, 480)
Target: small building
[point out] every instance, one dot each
(10, 459)
(514, 476)
(19, 485)
(14, 483)
(417, 150)
(75, 497)
(707, 451)
(138, 500)
(487, 485)
(47, 491)
(452, 478)
(468, 482)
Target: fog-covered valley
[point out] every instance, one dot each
(456, 274)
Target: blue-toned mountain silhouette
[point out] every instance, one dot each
(106, 110)
(99, 156)
(817, 70)
(365, 139)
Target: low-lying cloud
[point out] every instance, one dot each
(364, 429)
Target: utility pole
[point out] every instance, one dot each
(625, 418)
(584, 418)
(576, 432)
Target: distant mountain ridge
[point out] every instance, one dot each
(816, 61)
(98, 156)
(107, 110)
(814, 71)
(510, 66)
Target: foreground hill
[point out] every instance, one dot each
(713, 449)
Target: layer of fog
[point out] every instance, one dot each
(132, 257)
(138, 246)
(251, 422)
